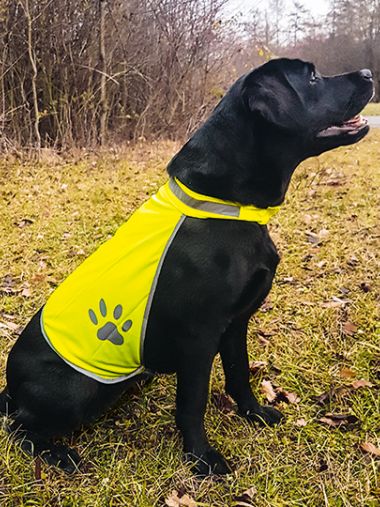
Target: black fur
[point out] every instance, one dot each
(216, 273)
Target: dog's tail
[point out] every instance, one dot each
(5, 403)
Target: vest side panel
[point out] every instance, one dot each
(94, 319)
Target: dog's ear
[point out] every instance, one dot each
(274, 102)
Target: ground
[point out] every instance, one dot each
(316, 335)
(372, 109)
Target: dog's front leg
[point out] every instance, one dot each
(233, 350)
(193, 377)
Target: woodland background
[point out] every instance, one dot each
(90, 72)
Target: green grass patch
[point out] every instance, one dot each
(317, 333)
(372, 109)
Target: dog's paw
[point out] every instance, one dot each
(62, 457)
(209, 462)
(55, 455)
(265, 415)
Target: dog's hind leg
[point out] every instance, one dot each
(37, 445)
(34, 444)
(50, 399)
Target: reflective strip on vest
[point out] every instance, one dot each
(96, 320)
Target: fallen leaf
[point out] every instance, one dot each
(307, 219)
(256, 367)
(222, 401)
(307, 258)
(8, 285)
(175, 501)
(312, 238)
(286, 396)
(266, 306)
(323, 233)
(365, 287)
(251, 492)
(338, 420)
(334, 182)
(370, 448)
(328, 396)
(287, 279)
(342, 301)
(39, 277)
(353, 261)
(8, 291)
(26, 293)
(347, 373)
(42, 264)
(335, 302)
(8, 281)
(263, 341)
(9, 325)
(265, 333)
(357, 384)
(23, 222)
(268, 391)
(245, 500)
(301, 422)
(349, 328)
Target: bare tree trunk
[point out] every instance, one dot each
(103, 75)
(32, 59)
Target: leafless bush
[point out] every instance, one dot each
(106, 70)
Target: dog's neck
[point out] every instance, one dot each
(235, 157)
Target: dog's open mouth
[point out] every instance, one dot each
(351, 127)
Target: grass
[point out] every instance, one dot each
(318, 331)
(372, 109)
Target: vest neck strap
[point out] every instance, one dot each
(224, 209)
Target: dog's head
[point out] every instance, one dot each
(268, 122)
(323, 112)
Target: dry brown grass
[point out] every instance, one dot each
(320, 323)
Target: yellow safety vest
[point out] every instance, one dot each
(96, 319)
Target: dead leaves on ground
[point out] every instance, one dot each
(342, 391)
(316, 239)
(277, 394)
(257, 367)
(349, 328)
(357, 384)
(339, 420)
(222, 401)
(268, 391)
(245, 500)
(347, 373)
(370, 448)
(177, 500)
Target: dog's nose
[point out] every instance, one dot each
(366, 74)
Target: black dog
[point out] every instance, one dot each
(216, 273)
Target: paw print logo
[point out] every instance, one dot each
(110, 331)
